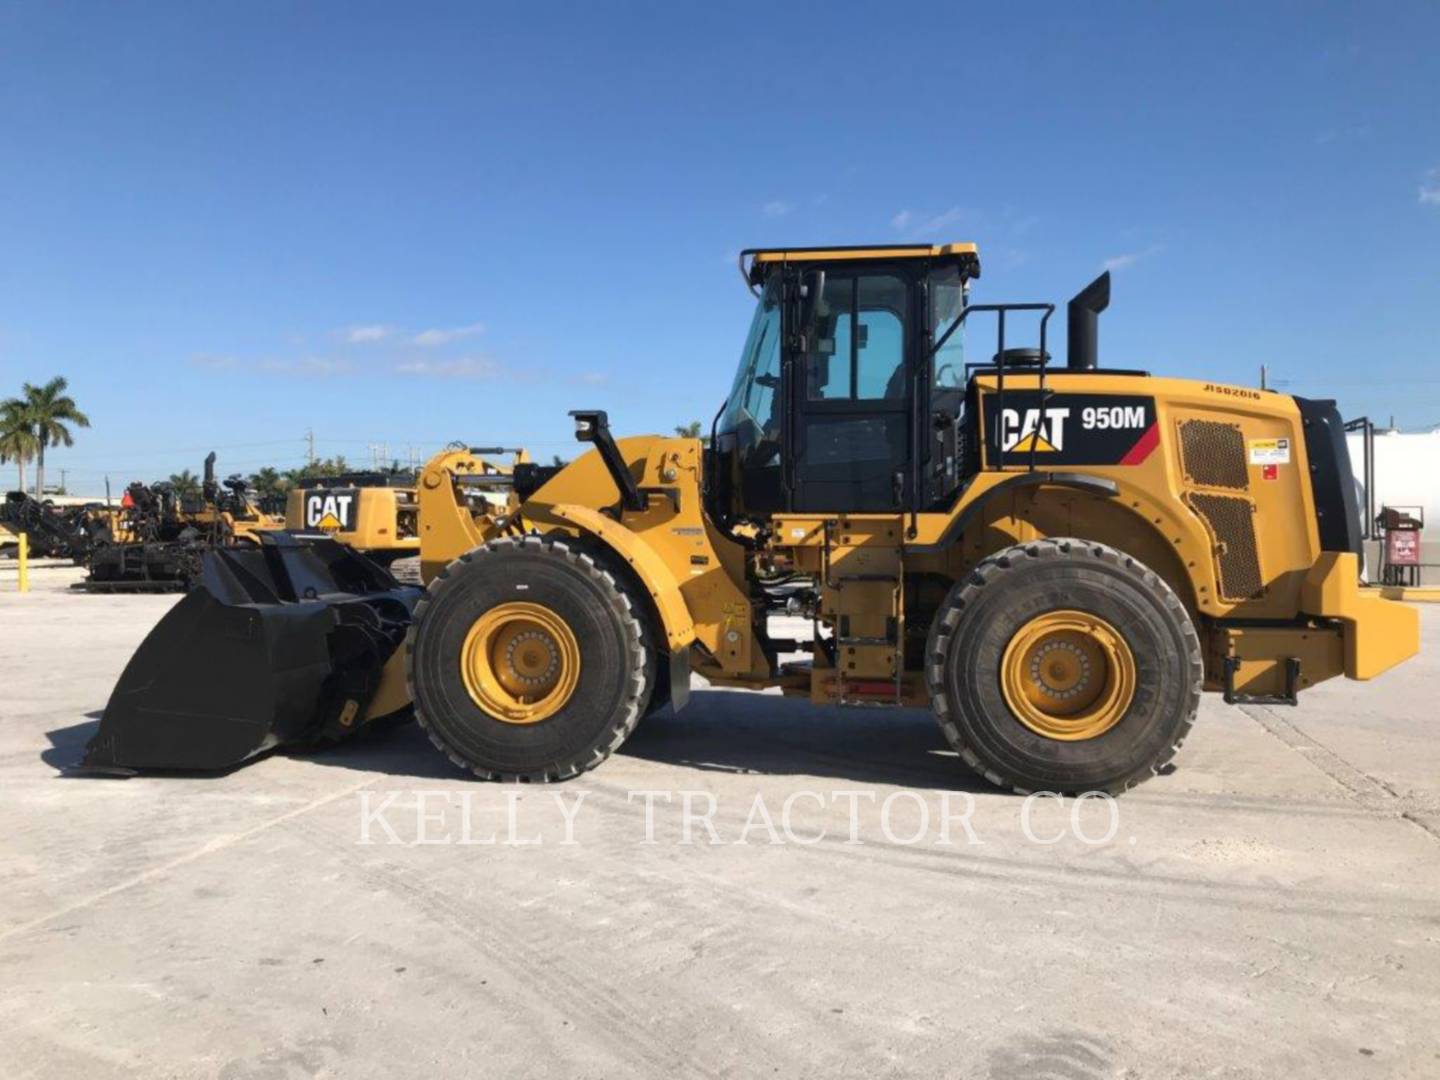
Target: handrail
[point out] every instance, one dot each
(1000, 310)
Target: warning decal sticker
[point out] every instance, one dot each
(1269, 451)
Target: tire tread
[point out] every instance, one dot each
(637, 642)
(989, 572)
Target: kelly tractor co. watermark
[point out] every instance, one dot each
(525, 817)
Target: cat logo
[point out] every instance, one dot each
(329, 511)
(1029, 431)
(1070, 428)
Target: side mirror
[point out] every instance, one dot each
(812, 288)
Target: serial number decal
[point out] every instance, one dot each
(1072, 429)
(1233, 391)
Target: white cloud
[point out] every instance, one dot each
(777, 208)
(466, 367)
(941, 222)
(1349, 133)
(429, 339)
(211, 362)
(1130, 258)
(366, 335)
(1430, 188)
(593, 378)
(311, 366)
(1010, 258)
(912, 224)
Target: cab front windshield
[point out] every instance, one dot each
(752, 411)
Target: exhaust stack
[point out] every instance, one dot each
(1083, 318)
(208, 487)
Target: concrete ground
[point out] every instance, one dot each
(1268, 909)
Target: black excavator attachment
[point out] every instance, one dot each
(279, 645)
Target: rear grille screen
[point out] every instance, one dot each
(1213, 454)
(1232, 525)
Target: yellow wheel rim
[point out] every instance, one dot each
(1068, 675)
(520, 662)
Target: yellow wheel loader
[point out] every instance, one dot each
(1056, 560)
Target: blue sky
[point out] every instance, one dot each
(231, 223)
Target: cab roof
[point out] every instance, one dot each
(762, 260)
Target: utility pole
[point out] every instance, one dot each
(1263, 373)
(63, 486)
(310, 440)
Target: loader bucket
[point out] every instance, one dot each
(279, 645)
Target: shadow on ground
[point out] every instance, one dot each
(738, 731)
(730, 731)
(67, 744)
(399, 750)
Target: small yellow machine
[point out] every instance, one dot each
(363, 511)
(1055, 561)
(375, 513)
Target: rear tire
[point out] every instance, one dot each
(978, 673)
(605, 672)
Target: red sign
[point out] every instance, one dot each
(1270, 472)
(1402, 547)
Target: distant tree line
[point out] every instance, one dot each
(42, 416)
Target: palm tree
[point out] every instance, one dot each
(692, 430)
(17, 435)
(267, 482)
(186, 484)
(50, 409)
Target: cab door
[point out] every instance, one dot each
(851, 393)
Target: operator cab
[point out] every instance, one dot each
(842, 401)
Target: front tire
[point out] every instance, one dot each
(528, 660)
(1064, 665)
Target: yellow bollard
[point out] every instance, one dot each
(24, 562)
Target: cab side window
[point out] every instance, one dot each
(947, 301)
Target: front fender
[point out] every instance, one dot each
(648, 566)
